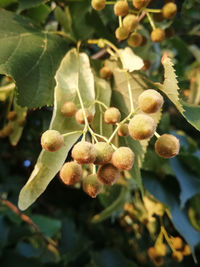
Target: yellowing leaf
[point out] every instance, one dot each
(130, 61)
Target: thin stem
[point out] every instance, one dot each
(110, 2)
(101, 103)
(120, 21)
(167, 238)
(64, 34)
(93, 169)
(151, 21)
(152, 10)
(156, 135)
(75, 132)
(130, 92)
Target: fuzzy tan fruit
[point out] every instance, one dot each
(167, 146)
(147, 64)
(68, 109)
(108, 174)
(79, 116)
(177, 243)
(177, 256)
(140, 3)
(121, 8)
(71, 173)
(186, 250)
(157, 35)
(169, 10)
(84, 152)
(12, 115)
(104, 153)
(123, 130)
(130, 22)
(121, 33)
(6, 131)
(150, 101)
(98, 4)
(92, 186)
(123, 158)
(52, 140)
(141, 127)
(135, 40)
(112, 115)
(105, 73)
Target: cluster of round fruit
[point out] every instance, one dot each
(179, 250)
(8, 128)
(128, 26)
(110, 161)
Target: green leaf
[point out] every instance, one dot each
(24, 4)
(130, 61)
(115, 206)
(189, 184)
(64, 18)
(103, 94)
(18, 126)
(74, 73)
(194, 211)
(5, 3)
(109, 194)
(31, 57)
(39, 13)
(47, 226)
(192, 114)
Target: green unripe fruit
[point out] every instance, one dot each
(135, 39)
(169, 32)
(121, 8)
(71, 173)
(157, 35)
(140, 3)
(6, 131)
(169, 10)
(79, 116)
(123, 130)
(147, 64)
(84, 152)
(104, 153)
(52, 140)
(108, 174)
(121, 33)
(177, 256)
(105, 73)
(123, 158)
(92, 186)
(12, 115)
(130, 22)
(150, 101)
(112, 115)
(98, 4)
(167, 146)
(141, 127)
(68, 109)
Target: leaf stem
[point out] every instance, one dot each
(120, 21)
(64, 34)
(151, 21)
(152, 10)
(75, 132)
(156, 135)
(101, 103)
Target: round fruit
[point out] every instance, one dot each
(71, 173)
(169, 32)
(157, 35)
(123, 158)
(98, 4)
(169, 10)
(130, 22)
(135, 39)
(140, 3)
(144, 40)
(84, 152)
(104, 153)
(150, 101)
(105, 73)
(121, 8)
(92, 186)
(177, 256)
(52, 140)
(6, 131)
(186, 250)
(108, 174)
(68, 109)
(112, 115)
(80, 116)
(123, 130)
(121, 33)
(147, 64)
(167, 146)
(177, 243)
(12, 115)
(141, 127)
